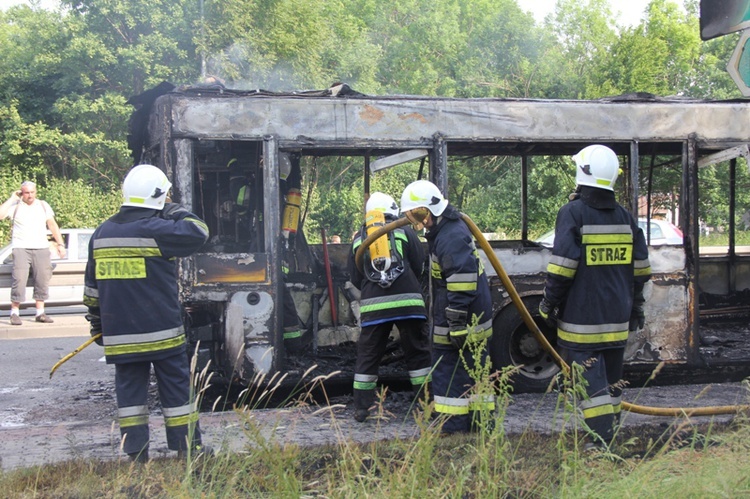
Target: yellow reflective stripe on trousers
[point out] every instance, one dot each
(597, 406)
(420, 376)
(133, 421)
(365, 381)
(482, 403)
(134, 415)
(595, 333)
(450, 405)
(155, 346)
(180, 416)
(290, 335)
(181, 420)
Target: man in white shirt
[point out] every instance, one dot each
(31, 217)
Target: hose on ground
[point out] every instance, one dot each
(534, 328)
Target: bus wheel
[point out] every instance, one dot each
(513, 344)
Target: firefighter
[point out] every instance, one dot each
(461, 308)
(241, 192)
(290, 176)
(132, 299)
(594, 289)
(391, 295)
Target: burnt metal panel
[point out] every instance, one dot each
(231, 268)
(476, 120)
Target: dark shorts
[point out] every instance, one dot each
(36, 261)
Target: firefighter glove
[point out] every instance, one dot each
(95, 323)
(637, 317)
(548, 313)
(457, 327)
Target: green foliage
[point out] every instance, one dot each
(66, 75)
(78, 203)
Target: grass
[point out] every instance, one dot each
(526, 465)
(676, 460)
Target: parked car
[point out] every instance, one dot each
(662, 232)
(66, 285)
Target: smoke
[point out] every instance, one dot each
(241, 67)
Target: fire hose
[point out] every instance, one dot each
(534, 328)
(73, 353)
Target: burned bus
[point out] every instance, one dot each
(215, 143)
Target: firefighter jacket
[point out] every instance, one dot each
(462, 305)
(131, 281)
(599, 263)
(403, 298)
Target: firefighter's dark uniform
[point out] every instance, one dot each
(291, 323)
(599, 263)
(131, 293)
(401, 304)
(462, 312)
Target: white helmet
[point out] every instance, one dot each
(145, 186)
(382, 202)
(285, 165)
(423, 193)
(597, 166)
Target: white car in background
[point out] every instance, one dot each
(66, 285)
(661, 232)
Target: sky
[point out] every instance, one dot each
(630, 11)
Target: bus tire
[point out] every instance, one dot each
(513, 344)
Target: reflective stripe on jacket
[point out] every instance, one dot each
(131, 282)
(599, 257)
(459, 281)
(403, 299)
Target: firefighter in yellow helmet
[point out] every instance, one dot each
(391, 295)
(594, 289)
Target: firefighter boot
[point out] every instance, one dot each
(139, 457)
(363, 399)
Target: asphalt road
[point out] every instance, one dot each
(73, 414)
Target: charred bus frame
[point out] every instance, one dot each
(233, 290)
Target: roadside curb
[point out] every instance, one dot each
(64, 325)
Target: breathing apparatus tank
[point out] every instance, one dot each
(380, 253)
(290, 218)
(384, 262)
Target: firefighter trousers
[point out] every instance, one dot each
(456, 398)
(180, 412)
(292, 328)
(371, 347)
(603, 372)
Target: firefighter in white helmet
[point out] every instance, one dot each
(391, 295)
(594, 289)
(131, 295)
(461, 308)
